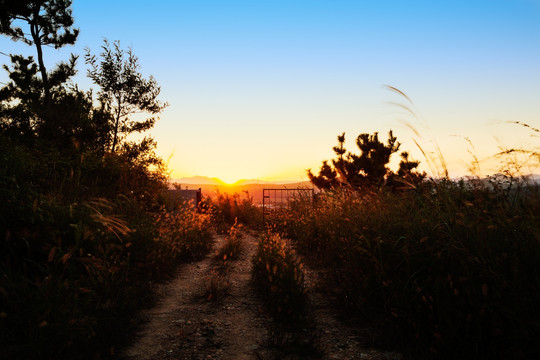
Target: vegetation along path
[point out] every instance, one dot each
(208, 313)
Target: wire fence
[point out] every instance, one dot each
(275, 200)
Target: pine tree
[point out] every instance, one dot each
(50, 23)
(368, 168)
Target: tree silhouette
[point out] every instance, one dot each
(22, 109)
(124, 90)
(50, 23)
(368, 168)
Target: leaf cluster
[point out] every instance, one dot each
(123, 89)
(51, 21)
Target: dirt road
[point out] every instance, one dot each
(185, 324)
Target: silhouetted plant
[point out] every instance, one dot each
(366, 169)
(82, 234)
(50, 23)
(123, 89)
(407, 176)
(278, 273)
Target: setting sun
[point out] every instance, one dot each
(228, 180)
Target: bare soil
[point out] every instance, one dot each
(185, 324)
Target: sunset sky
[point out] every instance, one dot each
(260, 89)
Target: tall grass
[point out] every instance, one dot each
(232, 246)
(78, 253)
(448, 270)
(217, 282)
(278, 274)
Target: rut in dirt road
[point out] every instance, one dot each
(185, 325)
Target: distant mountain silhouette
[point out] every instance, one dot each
(199, 180)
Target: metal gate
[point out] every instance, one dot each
(280, 199)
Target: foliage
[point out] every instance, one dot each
(78, 251)
(369, 168)
(66, 113)
(278, 273)
(124, 90)
(185, 235)
(448, 270)
(229, 209)
(50, 23)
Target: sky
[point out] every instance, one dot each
(261, 89)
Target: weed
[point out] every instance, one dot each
(232, 247)
(217, 284)
(278, 274)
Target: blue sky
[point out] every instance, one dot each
(261, 89)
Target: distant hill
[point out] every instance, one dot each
(198, 180)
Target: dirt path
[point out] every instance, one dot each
(186, 325)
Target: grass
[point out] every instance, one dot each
(232, 247)
(443, 269)
(217, 282)
(450, 270)
(71, 275)
(278, 274)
